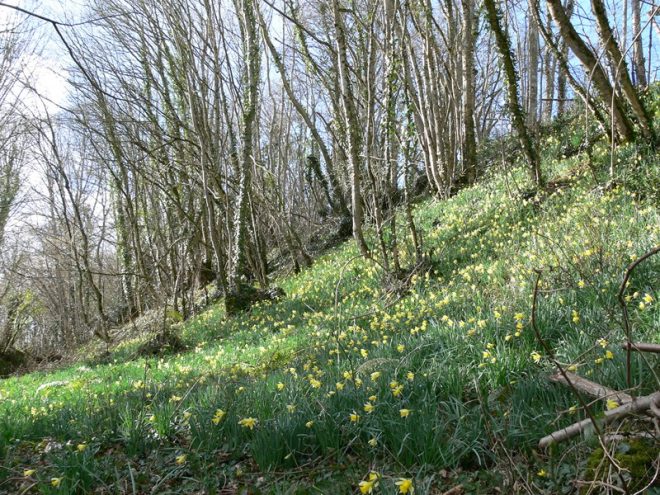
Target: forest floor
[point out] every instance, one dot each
(357, 381)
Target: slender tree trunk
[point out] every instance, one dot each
(511, 77)
(533, 68)
(250, 95)
(469, 131)
(638, 47)
(352, 128)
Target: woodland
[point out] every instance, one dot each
(330, 246)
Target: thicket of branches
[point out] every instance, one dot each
(215, 142)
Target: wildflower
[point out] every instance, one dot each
(405, 485)
(29, 472)
(609, 354)
(375, 376)
(315, 383)
(486, 354)
(581, 284)
(410, 376)
(309, 424)
(542, 473)
(373, 442)
(369, 485)
(364, 353)
(572, 410)
(611, 404)
(217, 417)
(280, 386)
(642, 306)
(648, 298)
(339, 386)
(291, 408)
(355, 417)
(175, 398)
(536, 357)
(401, 348)
(181, 459)
(372, 398)
(602, 342)
(369, 408)
(572, 367)
(81, 447)
(519, 316)
(508, 337)
(397, 391)
(575, 316)
(404, 413)
(56, 482)
(599, 361)
(248, 423)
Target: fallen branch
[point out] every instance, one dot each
(590, 388)
(637, 405)
(457, 490)
(642, 347)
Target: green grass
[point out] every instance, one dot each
(448, 350)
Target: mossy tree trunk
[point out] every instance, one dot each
(511, 78)
(248, 21)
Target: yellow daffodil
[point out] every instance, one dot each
(405, 485)
(181, 459)
(309, 424)
(611, 404)
(280, 386)
(404, 413)
(29, 472)
(81, 447)
(248, 423)
(536, 357)
(355, 417)
(56, 482)
(368, 486)
(217, 417)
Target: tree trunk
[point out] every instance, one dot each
(469, 134)
(352, 129)
(511, 77)
(638, 47)
(620, 67)
(242, 205)
(594, 68)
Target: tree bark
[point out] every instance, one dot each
(352, 128)
(593, 68)
(511, 76)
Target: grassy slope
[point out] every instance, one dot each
(449, 350)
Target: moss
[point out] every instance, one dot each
(635, 456)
